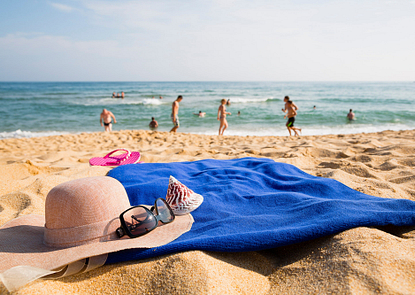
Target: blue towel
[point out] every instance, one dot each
(255, 204)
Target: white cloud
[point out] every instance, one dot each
(27, 44)
(128, 14)
(62, 7)
(222, 40)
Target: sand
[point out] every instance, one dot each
(357, 261)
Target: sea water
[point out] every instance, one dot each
(30, 109)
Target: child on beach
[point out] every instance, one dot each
(291, 113)
(106, 118)
(222, 117)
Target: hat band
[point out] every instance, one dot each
(74, 236)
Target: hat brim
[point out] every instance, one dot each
(21, 243)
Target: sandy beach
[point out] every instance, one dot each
(358, 261)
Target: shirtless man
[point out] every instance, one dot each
(200, 114)
(291, 113)
(153, 124)
(350, 115)
(285, 109)
(106, 118)
(222, 117)
(122, 94)
(175, 113)
(286, 99)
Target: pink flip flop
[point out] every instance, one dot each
(123, 159)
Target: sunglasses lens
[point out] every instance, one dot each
(139, 221)
(164, 211)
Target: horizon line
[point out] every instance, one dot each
(212, 81)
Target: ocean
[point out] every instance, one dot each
(30, 109)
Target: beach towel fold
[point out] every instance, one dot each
(255, 204)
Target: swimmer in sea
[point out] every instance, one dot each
(200, 114)
(106, 120)
(153, 124)
(222, 117)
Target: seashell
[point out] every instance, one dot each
(182, 199)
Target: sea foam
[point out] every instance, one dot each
(28, 134)
(249, 99)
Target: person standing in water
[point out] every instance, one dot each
(153, 124)
(222, 117)
(106, 120)
(350, 115)
(175, 113)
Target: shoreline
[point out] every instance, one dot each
(210, 127)
(30, 134)
(361, 260)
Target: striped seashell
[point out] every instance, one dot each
(182, 199)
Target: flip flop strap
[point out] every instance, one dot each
(119, 161)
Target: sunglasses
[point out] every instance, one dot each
(139, 220)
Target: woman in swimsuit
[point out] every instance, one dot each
(222, 117)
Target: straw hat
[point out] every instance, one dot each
(81, 217)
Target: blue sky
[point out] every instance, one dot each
(216, 40)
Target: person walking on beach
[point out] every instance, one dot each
(291, 113)
(175, 113)
(350, 115)
(287, 105)
(153, 124)
(106, 118)
(222, 117)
